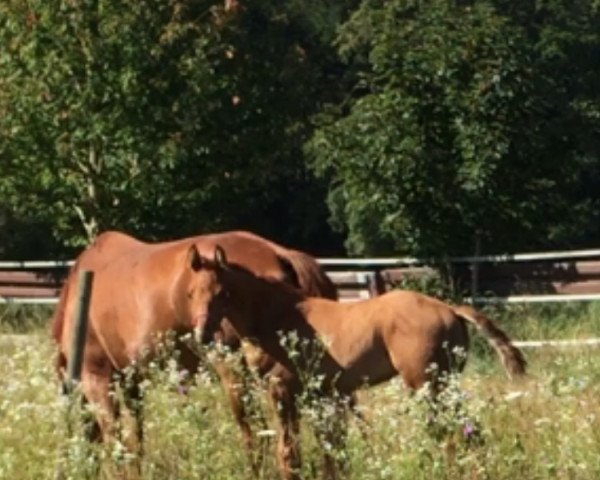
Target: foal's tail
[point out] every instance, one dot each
(512, 358)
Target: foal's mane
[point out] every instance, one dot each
(282, 286)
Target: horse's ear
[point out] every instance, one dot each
(291, 275)
(194, 259)
(220, 257)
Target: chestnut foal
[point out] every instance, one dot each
(368, 342)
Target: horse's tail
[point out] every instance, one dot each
(512, 358)
(58, 323)
(58, 319)
(309, 275)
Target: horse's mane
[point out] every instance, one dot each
(307, 273)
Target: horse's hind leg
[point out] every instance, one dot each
(97, 417)
(133, 397)
(78, 416)
(91, 428)
(364, 426)
(96, 387)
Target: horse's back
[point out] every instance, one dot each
(105, 248)
(109, 257)
(416, 309)
(397, 332)
(259, 255)
(269, 259)
(241, 247)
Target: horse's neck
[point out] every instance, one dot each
(330, 318)
(320, 312)
(309, 316)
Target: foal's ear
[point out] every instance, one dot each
(220, 257)
(194, 259)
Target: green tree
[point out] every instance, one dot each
(162, 118)
(564, 37)
(273, 63)
(88, 90)
(443, 138)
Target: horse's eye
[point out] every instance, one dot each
(224, 294)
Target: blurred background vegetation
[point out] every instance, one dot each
(375, 127)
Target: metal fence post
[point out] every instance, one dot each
(475, 268)
(79, 329)
(375, 283)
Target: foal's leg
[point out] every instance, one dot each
(332, 432)
(364, 426)
(288, 444)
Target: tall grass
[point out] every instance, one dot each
(544, 427)
(19, 318)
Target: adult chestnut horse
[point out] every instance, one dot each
(143, 289)
(398, 333)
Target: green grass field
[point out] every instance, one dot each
(545, 427)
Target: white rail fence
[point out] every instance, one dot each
(568, 275)
(582, 265)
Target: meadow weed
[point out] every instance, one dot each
(483, 426)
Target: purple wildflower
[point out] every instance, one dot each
(182, 389)
(468, 430)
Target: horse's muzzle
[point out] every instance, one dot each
(199, 321)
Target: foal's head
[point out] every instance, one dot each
(238, 294)
(210, 290)
(196, 290)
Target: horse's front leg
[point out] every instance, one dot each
(237, 389)
(288, 444)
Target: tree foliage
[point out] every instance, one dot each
(449, 134)
(86, 102)
(161, 118)
(431, 126)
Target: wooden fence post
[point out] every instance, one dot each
(79, 329)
